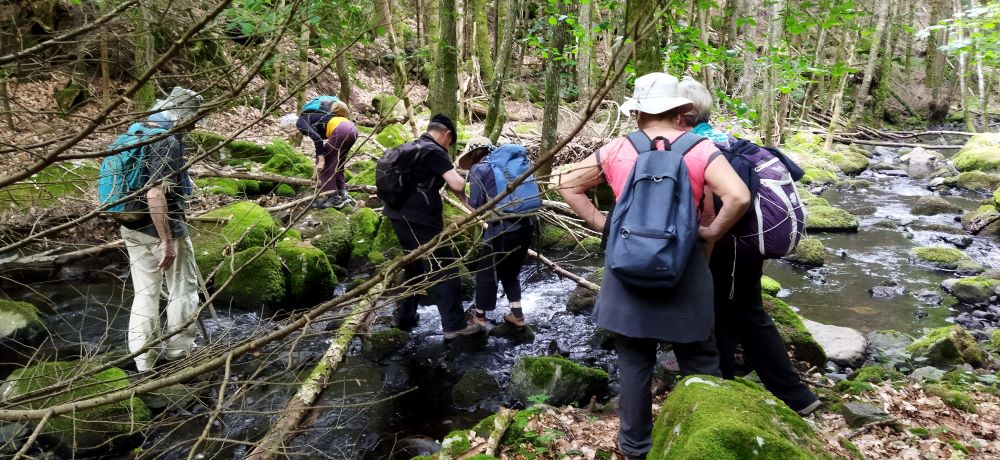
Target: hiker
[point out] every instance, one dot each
(408, 179)
(642, 317)
(736, 271)
(158, 244)
(324, 120)
(509, 233)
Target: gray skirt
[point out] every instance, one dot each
(682, 314)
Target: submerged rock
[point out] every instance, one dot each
(795, 334)
(561, 380)
(949, 346)
(939, 256)
(920, 156)
(830, 219)
(843, 345)
(933, 205)
(980, 153)
(89, 432)
(380, 345)
(810, 253)
(474, 387)
(710, 418)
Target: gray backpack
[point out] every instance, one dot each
(654, 224)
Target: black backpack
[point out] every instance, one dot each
(394, 174)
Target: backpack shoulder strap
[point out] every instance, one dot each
(685, 142)
(640, 141)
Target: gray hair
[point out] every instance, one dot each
(698, 94)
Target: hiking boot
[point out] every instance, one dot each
(472, 317)
(513, 320)
(471, 329)
(336, 202)
(810, 408)
(405, 324)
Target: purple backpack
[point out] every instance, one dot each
(776, 219)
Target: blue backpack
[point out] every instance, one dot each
(320, 104)
(510, 161)
(654, 224)
(123, 173)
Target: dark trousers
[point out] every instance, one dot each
(331, 177)
(439, 269)
(636, 361)
(740, 319)
(500, 260)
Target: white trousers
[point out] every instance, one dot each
(147, 281)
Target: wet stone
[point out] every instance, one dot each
(513, 333)
(928, 296)
(926, 373)
(894, 173)
(886, 292)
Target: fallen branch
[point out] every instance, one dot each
(46, 261)
(869, 426)
(500, 424)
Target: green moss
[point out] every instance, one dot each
(933, 205)
(978, 181)
(285, 190)
(219, 186)
(552, 236)
(711, 418)
(951, 397)
(590, 245)
(393, 135)
(957, 445)
(877, 374)
(813, 176)
(361, 173)
(334, 236)
(82, 432)
(848, 162)
(386, 242)
(794, 332)
(581, 299)
(258, 284)
(243, 224)
(979, 217)
(996, 197)
(364, 224)
(285, 160)
(975, 290)
(769, 286)
(995, 340)
(17, 316)
(947, 346)
(851, 448)
(830, 219)
(920, 432)
(809, 252)
(980, 153)
(292, 234)
(206, 140)
(455, 444)
(381, 344)
(853, 387)
(939, 256)
(308, 272)
(250, 187)
(389, 106)
(803, 141)
(810, 201)
(562, 380)
(51, 185)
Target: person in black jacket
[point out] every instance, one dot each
(419, 220)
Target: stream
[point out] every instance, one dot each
(88, 313)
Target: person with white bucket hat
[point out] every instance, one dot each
(682, 315)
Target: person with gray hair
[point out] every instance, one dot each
(158, 246)
(740, 317)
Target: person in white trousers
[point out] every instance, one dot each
(159, 247)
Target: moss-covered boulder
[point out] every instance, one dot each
(769, 286)
(888, 348)
(980, 153)
(389, 106)
(984, 221)
(996, 197)
(562, 380)
(19, 322)
(581, 299)
(848, 161)
(939, 256)
(379, 345)
(253, 283)
(810, 253)
(475, 386)
(237, 149)
(978, 181)
(386, 241)
(589, 245)
(88, 432)
(797, 338)
(949, 346)
(933, 205)
(975, 290)
(552, 236)
(241, 225)
(364, 227)
(49, 186)
(710, 418)
(330, 231)
(361, 173)
(219, 186)
(308, 273)
(805, 149)
(393, 135)
(953, 397)
(286, 160)
(830, 219)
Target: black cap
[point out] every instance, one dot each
(444, 120)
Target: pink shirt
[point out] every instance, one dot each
(618, 156)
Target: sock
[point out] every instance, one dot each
(515, 308)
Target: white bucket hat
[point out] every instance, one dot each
(654, 93)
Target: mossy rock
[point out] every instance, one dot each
(475, 386)
(847, 161)
(996, 197)
(797, 338)
(308, 272)
(259, 284)
(939, 256)
(810, 201)
(810, 252)
(19, 321)
(393, 135)
(364, 226)
(711, 418)
(219, 186)
(50, 185)
(83, 433)
(806, 150)
(380, 345)
(985, 220)
(980, 153)
(975, 290)
(389, 107)
(581, 299)
(949, 346)
(246, 225)
(285, 160)
(466, 241)
(953, 397)
(332, 235)
(386, 241)
(552, 236)
(876, 374)
(769, 286)
(978, 181)
(933, 205)
(361, 173)
(562, 380)
(803, 141)
(830, 219)
(590, 245)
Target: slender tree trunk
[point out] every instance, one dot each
(707, 75)
(861, 95)
(935, 78)
(304, 32)
(550, 116)
(8, 116)
(344, 76)
(105, 66)
(769, 112)
(807, 99)
(433, 23)
(421, 24)
(479, 40)
(445, 82)
(399, 74)
(838, 97)
(892, 36)
(911, 11)
(984, 123)
(145, 55)
(647, 48)
(963, 97)
(732, 32)
(495, 112)
(585, 50)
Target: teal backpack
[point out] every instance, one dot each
(123, 173)
(320, 104)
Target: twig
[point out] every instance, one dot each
(869, 426)
(219, 403)
(34, 436)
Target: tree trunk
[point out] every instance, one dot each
(732, 32)
(935, 78)
(911, 11)
(433, 23)
(638, 14)
(399, 74)
(769, 112)
(479, 40)
(8, 116)
(145, 56)
(838, 97)
(807, 99)
(861, 95)
(300, 97)
(963, 95)
(585, 50)
(550, 116)
(495, 112)
(105, 67)
(892, 36)
(421, 24)
(707, 75)
(984, 123)
(445, 83)
(344, 76)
